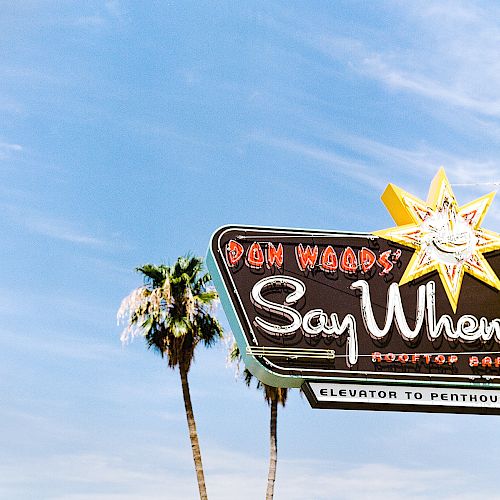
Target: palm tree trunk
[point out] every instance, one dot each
(273, 450)
(193, 435)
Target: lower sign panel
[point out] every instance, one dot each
(402, 398)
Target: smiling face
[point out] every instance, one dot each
(448, 238)
(445, 237)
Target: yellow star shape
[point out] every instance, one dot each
(446, 238)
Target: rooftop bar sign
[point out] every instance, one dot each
(400, 319)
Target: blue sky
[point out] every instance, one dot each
(129, 132)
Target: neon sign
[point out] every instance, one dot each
(415, 305)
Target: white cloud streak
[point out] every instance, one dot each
(419, 163)
(62, 230)
(395, 77)
(52, 227)
(449, 55)
(339, 165)
(229, 475)
(111, 11)
(7, 149)
(58, 345)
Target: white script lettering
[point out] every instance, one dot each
(317, 322)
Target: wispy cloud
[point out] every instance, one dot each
(449, 53)
(57, 345)
(418, 163)
(115, 9)
(339, 165)
(229, 474)
(7, 149)
(110, 11)
(52, 227)
(95, 20)
(10, 105)
(52, 312)
(397, 78)
(62, 230)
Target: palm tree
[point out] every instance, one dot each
(173, 312)
(273, 396)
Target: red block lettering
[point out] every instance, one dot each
(329, 261)
(255, 255)
(274, 255)
(234, 251)
(440, 359)
(486, 361)
(348, 261)
(385, 263)
(306, 259)
(366, 259)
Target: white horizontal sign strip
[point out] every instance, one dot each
(407, 395)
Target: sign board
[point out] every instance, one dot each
(404, 318)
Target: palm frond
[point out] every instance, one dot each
(278, 394)
(207, 297)
(201, 283)
(248, 377)
(154, 275)
(209, 329)
(234, 352)
(172, 310)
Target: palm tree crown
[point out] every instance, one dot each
(172, 310)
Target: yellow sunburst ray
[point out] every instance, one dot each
(406, 235)
(487, 241)
(451, 278)
(475, 211)
(418, 266)
(440, 191)
(407, 209)
(479, 267)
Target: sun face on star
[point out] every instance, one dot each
(446, 238)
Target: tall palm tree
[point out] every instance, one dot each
(173, 311)
(273, 397)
